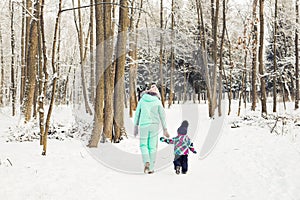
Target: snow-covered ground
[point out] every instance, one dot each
(248, 162)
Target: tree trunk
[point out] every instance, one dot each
(32, 62)
(120, 70)
(221, 59)
(172, 57)
(29, 14)
(214, 54)
(98, 114)
(109, 72)
(2, 69)
(261, 60)
(82, 60)
(162, 91)
(242, 91)
(42, 66)
(12, 88)
(92, 63)
(54, 79)
(254, 56)
(274, 62)
(204, 55)
(133, 37)
(132, 63)
(23, 58)
(297, 57)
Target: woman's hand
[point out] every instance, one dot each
(166, 134)
(136, 130)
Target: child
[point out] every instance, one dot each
(182, 145)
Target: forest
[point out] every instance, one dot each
(101, 54)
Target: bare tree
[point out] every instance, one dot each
(42, 57)
(54, 78)
(221, 59)
(109, 73)
(120, 70)
(32, 62)
(261, 59)
(12, 75)
(2, 68)
(28, 18)
(133, 36)
(161, 53)
(172, 56)
(98, 114)
(23, 59)
(204, 54)
(254, 55)
(92, 63)
(82, 59)
(275, 61)
(297, 57)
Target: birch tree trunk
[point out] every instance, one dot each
(98, 114)
(120, 70)
(254, 56)
(261, 60)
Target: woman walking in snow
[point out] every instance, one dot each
(149, 114)
(182, 145)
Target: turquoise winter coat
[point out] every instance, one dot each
(149, 111)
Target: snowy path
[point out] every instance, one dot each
(248, 163)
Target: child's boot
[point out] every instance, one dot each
(177, 170)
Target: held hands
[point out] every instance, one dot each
(166, 133)
(162, 139)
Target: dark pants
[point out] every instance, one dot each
(181, 161)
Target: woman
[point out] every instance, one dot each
(148, 115)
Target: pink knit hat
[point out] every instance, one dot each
(154, 89)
